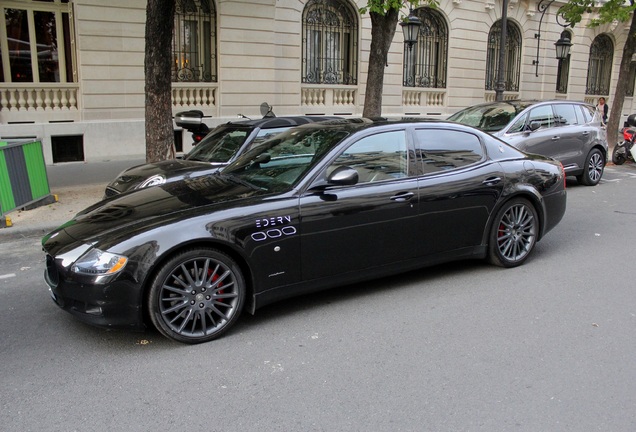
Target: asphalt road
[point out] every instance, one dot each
(549, 346)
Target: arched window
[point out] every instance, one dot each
(330, 42)
(194, 41)
(563, 71)
(425, 62)
(599, 68)
(512, 56)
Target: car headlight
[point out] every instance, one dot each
(99, 263)
(155, 180)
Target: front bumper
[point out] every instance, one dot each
(114, 304)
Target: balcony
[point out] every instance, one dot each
(338, 99)
(19, 101)
(195, 95)
(432, 98)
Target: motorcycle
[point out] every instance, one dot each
(626, 150)
(192, 121)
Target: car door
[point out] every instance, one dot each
(573, 135)
(539, 141)
(350, 229)
(459, 188)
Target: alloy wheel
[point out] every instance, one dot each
(516, 233)
(197, 297)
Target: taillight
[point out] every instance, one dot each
(197, 137)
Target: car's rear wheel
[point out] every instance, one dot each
(513, 234)
(593, 169)
(196, 296)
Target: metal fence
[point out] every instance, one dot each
(23, 178)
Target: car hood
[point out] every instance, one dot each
(152, 207)
(180, 168)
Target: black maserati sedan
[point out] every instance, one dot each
(319, 206)
(219, 147)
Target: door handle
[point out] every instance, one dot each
(403, 196)
(554, 138)
(491, 181)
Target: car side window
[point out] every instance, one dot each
(565, 115)
(443, 150)
(265, 134)
(543, 115)
(519, 125)
(377, 157)
(588, 113)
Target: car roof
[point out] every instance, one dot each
(359, 123)
(278, 122)
(524, 103)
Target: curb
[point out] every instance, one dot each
(12, 234)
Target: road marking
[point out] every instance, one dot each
(7, 276)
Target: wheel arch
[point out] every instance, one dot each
(528, 193)
(225, 248)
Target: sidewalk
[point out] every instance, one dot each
(39, 221)
(76, 185)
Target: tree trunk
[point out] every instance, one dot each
(382, 32)
(159, 130)
(613, 123)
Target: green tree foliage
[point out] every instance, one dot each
(384, 16)
(603, 13)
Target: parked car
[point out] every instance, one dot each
(570, 132)
(318, 206)
(219, 147)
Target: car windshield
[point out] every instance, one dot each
(489, 118)
(279, 163)
(220, 144)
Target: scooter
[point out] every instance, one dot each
(626, 150)
(192, 121)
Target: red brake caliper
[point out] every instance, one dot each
(214, 279)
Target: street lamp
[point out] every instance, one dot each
(411, 29)
(563, 46)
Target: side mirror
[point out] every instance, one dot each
(534, 125)
(343, 176)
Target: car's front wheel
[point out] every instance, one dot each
(513, 233)
(593, 169)
(196, 296)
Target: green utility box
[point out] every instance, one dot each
(23, 179)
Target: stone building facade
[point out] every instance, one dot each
(73, 70)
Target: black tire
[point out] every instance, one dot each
(593, 168)
(196, 296)
(618, 155)
(513, 234)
